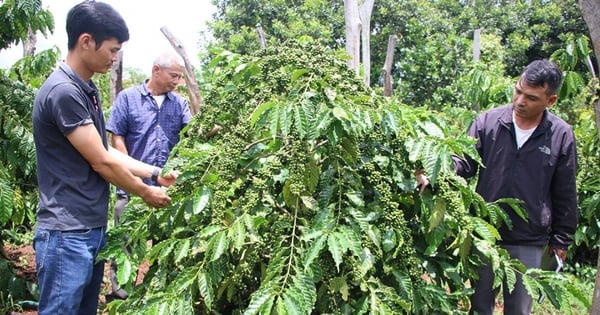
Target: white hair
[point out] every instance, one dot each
(169, 58)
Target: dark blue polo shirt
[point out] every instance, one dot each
(72, 195)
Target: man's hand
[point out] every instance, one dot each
(168, 179)
(422, 180)
(213, 131)
(156, 197)
(561, 253)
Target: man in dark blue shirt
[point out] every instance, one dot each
(75, 165)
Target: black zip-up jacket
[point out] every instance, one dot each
(541, 173)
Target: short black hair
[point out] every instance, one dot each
(543, 73)
(99, 20)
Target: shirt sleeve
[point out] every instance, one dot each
(117, 120)
(565, 214)
(68, 108)
(186, 115)
(467, 167)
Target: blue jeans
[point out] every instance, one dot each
(68, 277)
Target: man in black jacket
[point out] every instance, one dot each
(528, 154)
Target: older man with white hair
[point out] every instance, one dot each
(145, 122)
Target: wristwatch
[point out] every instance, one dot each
(155, 174)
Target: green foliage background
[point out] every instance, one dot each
(304, 202)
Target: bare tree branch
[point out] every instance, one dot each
(190, 77)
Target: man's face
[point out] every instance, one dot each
(103, 57)
(167, 79)
(529, 102)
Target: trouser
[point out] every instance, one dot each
(119, 208)
(68, 276)
(516, 302)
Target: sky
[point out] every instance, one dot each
(184, 18)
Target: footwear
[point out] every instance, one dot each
(120, 294)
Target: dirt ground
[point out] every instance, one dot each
(23, 258)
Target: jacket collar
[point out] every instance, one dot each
(506, 119)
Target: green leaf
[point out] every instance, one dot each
(183, 281)
(516, 206)
(414, 147)
(335, 133)
(124, 271)
(237, 232)
(209, 231)
(298, 73)
(280, 307)
(285, 123)
(339, 284)
(303, 288)
(432, 129)
(314, 250)
(340, 113)
(259, 111)
(6, 201)
(356, 198)
(367, 261)
(292, 305)
(351, 239)
(337, 245)
(484, 229)
(389, 240)
(289, 198)
(309, 202)
(311, 175)
(205, 288)
(261, 300)
(201, 199)
(301, 121)
(389, 123)
(438, 213)
(217, 245)
(165, 253)
(274, 121)
(240, 68)
(158, 250)
(183, 250)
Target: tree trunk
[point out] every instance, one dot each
(476, 44)
(29, 43)
(262, 38)
(590, 64)
(366, 9)
(352, 33)
(589, 10)
(387, 67)
(116, 77)
(190, 76)
(595, 310)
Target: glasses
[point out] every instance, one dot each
(175, 75)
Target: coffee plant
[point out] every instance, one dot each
(304, 202)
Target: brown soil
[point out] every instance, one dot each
(23, 260)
